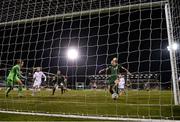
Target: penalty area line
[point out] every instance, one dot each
(86, 117)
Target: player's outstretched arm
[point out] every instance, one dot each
(23, 77)
(126, 70)
(103, 70)
(19, 73)
(44, 76)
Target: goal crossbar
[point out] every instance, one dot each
(87, 12)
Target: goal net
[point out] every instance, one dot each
(80, 39)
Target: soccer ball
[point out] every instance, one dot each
(114, 96)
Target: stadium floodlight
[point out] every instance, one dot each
(174, 47)
(72, 54)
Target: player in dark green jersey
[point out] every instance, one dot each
(114, 70)
(59, 80)
(14, 78)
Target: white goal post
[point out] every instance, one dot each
(172, 55)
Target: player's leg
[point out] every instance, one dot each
(124, 92)
(34, 88)
(54, 88)
(112, 83)
(110, 87)
(20, 84)
(114, 91)
(9, 85)
(65, 89)
(19, 89)
(120, 91)
(39, 86)
(8, 90)
(53, 91)
(62, 88)
(115, 88)
(122, 87)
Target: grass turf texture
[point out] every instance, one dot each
(140, 104)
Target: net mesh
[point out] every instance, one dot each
(40, 33)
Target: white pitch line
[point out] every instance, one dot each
(88, 117)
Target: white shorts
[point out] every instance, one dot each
(36, 84)
(120, 90)
(121, 83)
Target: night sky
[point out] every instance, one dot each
(137, 38)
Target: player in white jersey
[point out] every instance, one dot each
(121, 85)
(37, 77)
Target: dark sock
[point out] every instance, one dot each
(110, 90)
(8, 90)
(54, 89)
(62, 90)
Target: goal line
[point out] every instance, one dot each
(85, 117)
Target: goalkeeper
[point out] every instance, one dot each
(59, 80)
(14, 77)
(114, 70)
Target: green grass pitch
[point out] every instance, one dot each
(135, 104)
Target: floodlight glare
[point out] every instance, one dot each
(174, 46)
(72, 54)
(168, 47)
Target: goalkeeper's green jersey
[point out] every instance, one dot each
(114, 72)
(14, 74)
